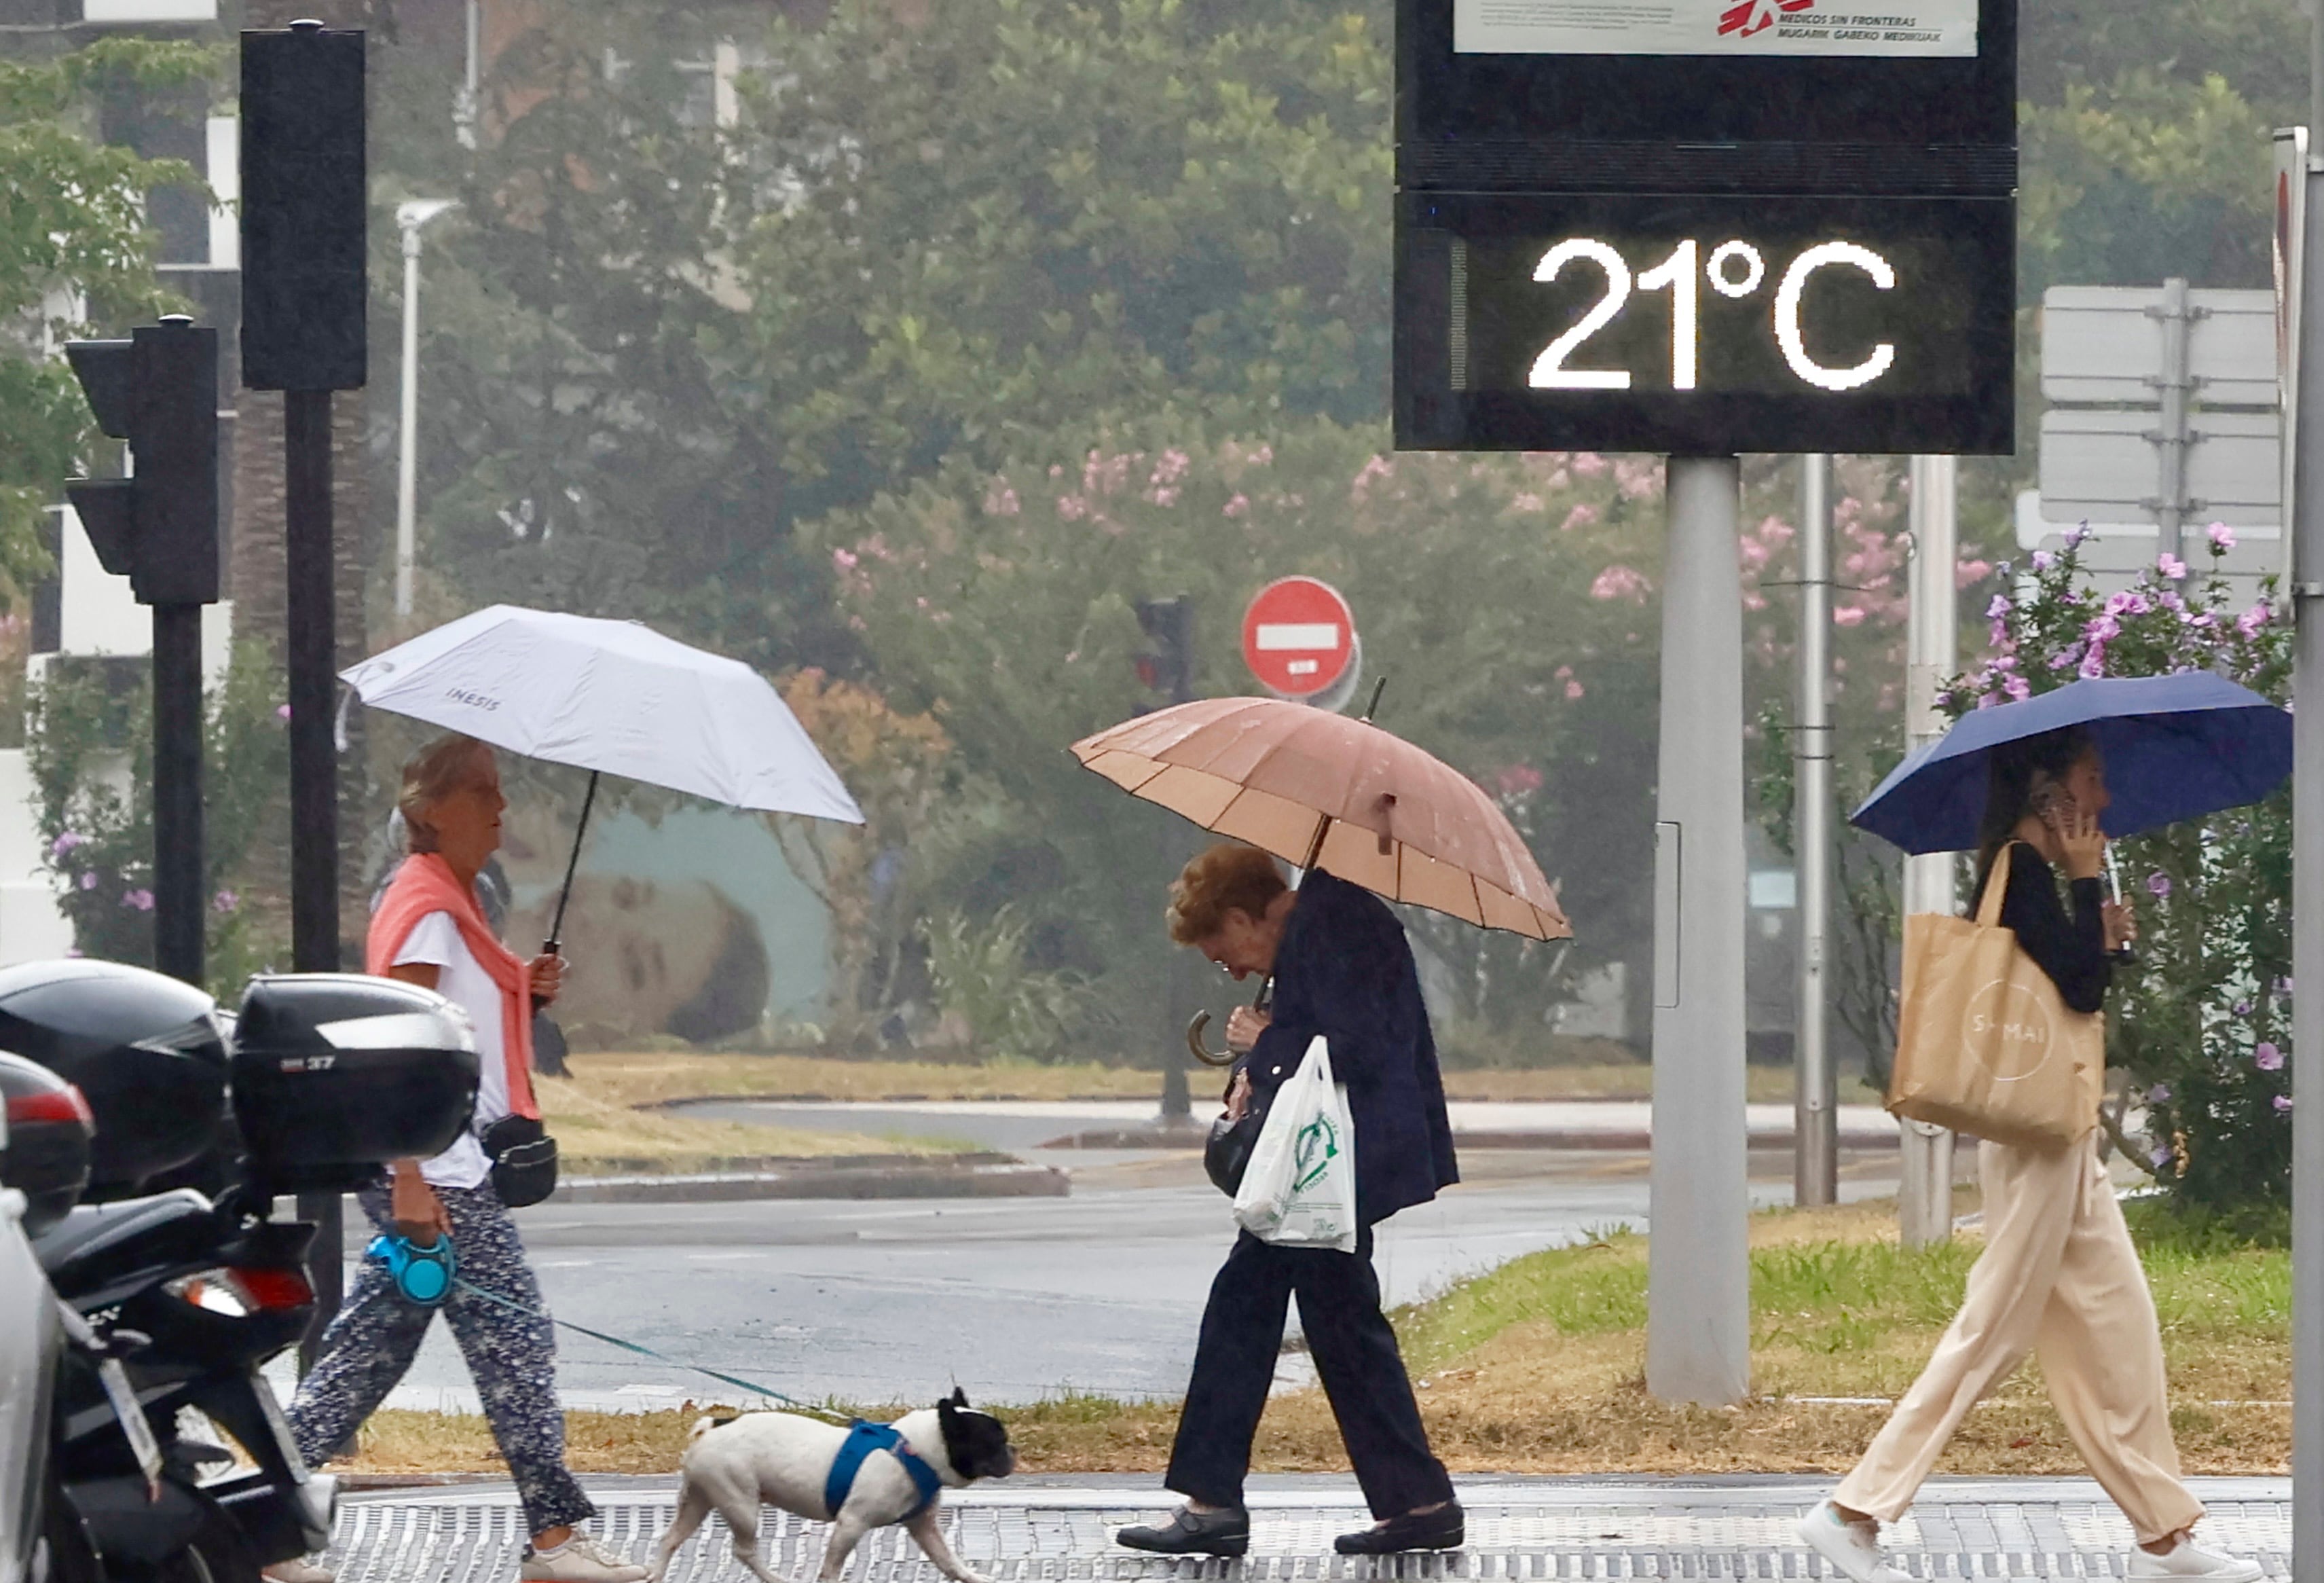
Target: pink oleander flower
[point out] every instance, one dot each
(1581, 516)
(1619, 582)
(1997, 608)
(2282, 1102)
(2158, 884)
(224, 901)
(2222, 538)
(2267, 1056)
(66, 842)
(845, 559)
(1239, 506)
(2171, 566)
(88, 882)
(2093, 663)
(2077, 535)
(2252, 620)
(2129, 602)
(140, 900)
(2044, 560)
(1573, 690)
(2017, 687)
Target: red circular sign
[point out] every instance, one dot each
(1298, 636)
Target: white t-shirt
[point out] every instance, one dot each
(462, 980)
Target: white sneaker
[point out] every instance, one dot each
(1853, 1547)
(2187, 1562)
(299, 1570)
(579, 1559)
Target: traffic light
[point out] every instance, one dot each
(158, 390)
(1166, 663)
(304, 209)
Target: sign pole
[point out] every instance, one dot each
(2306, 521)
(1698, 1270)
(1815, 1116)
(1925, 1195)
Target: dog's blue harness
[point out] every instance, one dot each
(862, 1440)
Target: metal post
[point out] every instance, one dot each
(1924, 1194)
(1698, 1270)
(2307, 522)
(179, 880)
(463, 109)
(409, 216)
(2170, 430)
(1815, 1119)
(311, 646)
(407, 449)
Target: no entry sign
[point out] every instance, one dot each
(1298, 636)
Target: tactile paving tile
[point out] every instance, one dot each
(425, 1541)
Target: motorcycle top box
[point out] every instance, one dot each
(143, 1049)
(335, 1074)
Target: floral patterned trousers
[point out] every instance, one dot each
(510, 1355)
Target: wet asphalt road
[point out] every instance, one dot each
(1016, 1299)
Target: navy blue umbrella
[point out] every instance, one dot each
(2175, 746)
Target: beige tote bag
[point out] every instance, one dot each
(1984, 1044)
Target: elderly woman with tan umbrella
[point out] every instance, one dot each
(1365, 816)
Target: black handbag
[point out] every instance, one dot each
(1226, 1153)
(524, 1160)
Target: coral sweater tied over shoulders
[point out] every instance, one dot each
(425, 884)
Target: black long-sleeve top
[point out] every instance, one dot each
(2071, 949)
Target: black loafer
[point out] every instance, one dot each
(1446, 1528)
(1192, 1533)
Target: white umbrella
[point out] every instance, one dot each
(613, 698)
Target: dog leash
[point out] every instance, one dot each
(843, 1419)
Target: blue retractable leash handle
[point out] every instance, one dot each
(423, 1275)
(426, 1276)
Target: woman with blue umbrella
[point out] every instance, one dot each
(2036, 787)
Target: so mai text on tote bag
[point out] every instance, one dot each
(1984, 1043)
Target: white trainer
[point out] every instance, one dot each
(299, 1570)
(2187, 1562)
(579, 1559)
(1853, 1547)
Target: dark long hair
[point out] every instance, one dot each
(2013, 769)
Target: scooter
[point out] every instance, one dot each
(179, 1299)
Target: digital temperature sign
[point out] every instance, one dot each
(1704, 324)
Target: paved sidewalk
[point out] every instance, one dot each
(1035, 1529)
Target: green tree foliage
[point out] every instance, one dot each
(1501, 599)
(2146, 138)
(74, 247)
(1021, 215)
(2202, 1020)
(91, 751)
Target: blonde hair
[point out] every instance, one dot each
(434, 773)
(1227, 876)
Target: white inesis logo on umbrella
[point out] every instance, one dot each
(475, 701)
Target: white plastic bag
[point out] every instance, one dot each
(1299, 1189)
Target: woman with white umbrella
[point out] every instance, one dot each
(429, 929)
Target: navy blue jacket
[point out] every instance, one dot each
(1343, 969)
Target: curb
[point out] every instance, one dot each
(1632, 1140)
(903, 1176)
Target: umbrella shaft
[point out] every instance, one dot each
(556, 927)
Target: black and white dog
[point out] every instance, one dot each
(855, 1480)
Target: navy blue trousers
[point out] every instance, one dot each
(1356, 1357)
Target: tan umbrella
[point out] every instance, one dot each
(1394, 819)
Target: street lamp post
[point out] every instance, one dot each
(409, 216)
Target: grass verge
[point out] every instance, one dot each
(659, 1077)
(599, 1132)
(1539, 1367)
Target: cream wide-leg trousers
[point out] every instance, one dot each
(2060, 1277)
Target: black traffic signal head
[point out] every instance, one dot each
(158, 390)
(1166, 665)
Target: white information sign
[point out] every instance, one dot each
(1715, 27)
